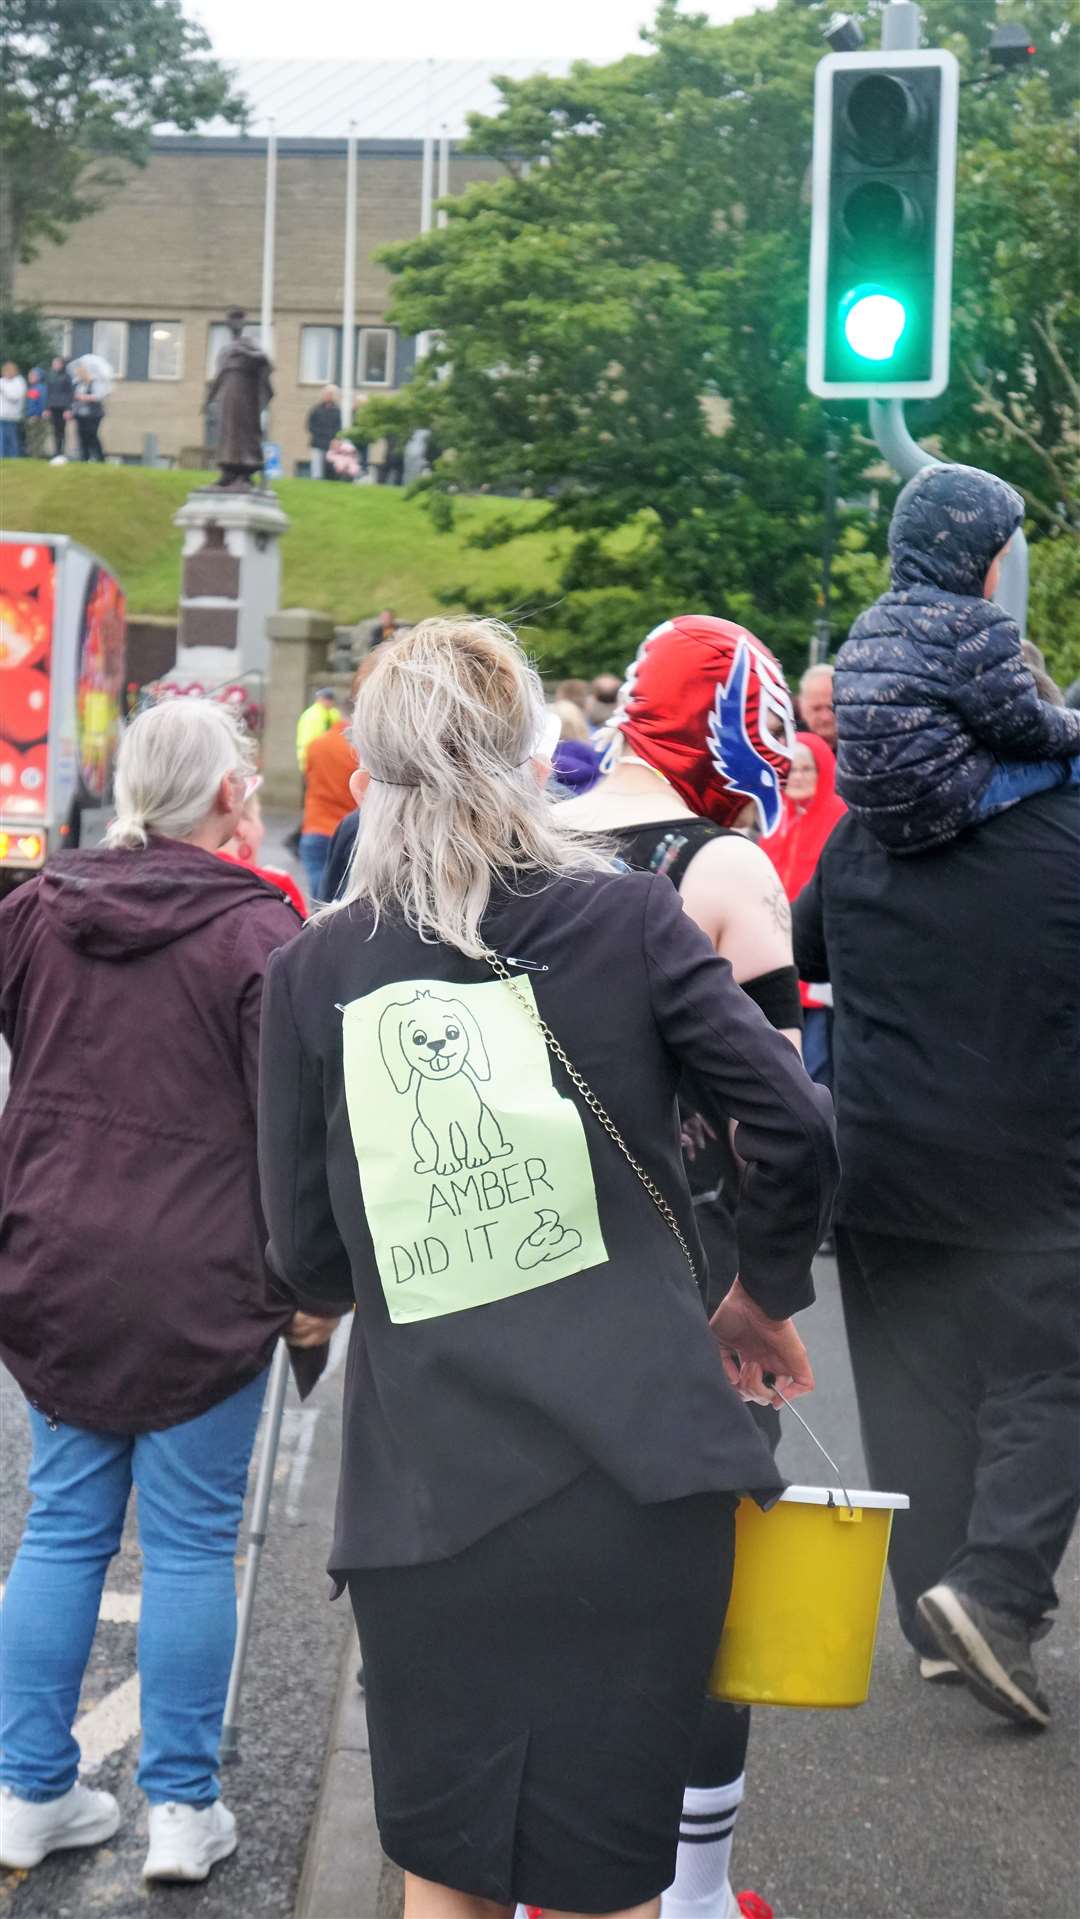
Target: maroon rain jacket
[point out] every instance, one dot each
(133, 1288)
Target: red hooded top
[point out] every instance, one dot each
(795, 847)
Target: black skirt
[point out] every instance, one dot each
(533, 1702)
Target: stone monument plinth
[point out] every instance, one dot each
(230, 584)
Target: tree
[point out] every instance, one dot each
(83, 84)
(619, 323)
(25, 338)
(1055, 596)
(1015, 399)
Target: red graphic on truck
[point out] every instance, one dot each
(101, 681)
(27, 588)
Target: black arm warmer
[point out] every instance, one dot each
(777, 994)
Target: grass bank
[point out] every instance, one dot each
(349, 551)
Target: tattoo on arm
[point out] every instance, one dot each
(779, 909)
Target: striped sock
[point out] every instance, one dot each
(700, 1888)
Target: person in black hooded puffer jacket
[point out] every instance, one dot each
(939, 720)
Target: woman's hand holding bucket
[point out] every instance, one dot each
(752, 1345)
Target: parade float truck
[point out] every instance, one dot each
(62, 632)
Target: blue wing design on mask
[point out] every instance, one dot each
(740, 763)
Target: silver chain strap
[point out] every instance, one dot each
(528, 1007)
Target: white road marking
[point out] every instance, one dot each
(298, 1431)
(108, 1725)
(339, 1346)
(304, 1429)
(120, 1609)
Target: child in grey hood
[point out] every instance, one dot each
(940, 721)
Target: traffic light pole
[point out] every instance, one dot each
(900, 29)
(822, 635)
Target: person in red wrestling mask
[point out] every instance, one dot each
(699, 749)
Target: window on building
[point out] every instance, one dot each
(59, 332)
(166, 350)
(375, 356)
(219, 336)
(318, 355)
(110, 342)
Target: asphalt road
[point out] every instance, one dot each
(919, 1804)
(285, 1713)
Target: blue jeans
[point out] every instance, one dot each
(10, 446)
(313, 850)
(191, 1481)
(1016, 780)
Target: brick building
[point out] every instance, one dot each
(147, 281)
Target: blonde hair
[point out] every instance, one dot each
(172, 759)
(448, 724)
(572, 722)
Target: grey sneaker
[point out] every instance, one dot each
(992, 1652)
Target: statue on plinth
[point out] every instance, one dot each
(238, 395)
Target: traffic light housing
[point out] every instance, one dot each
(882, 235)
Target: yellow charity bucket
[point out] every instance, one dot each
(802, 1618)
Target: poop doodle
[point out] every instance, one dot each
(475, 1171)
(548, 1241)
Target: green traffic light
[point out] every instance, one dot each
(874, 323)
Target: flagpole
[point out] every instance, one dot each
(348, 315)
(266, 319)
(427, 184)
(444, 170)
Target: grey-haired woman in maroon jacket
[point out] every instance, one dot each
(134, 1307)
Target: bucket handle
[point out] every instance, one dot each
(770, 1381)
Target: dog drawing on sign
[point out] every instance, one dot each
(434, 1047)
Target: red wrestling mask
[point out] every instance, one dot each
(706, 705)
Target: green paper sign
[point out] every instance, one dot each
(475, 1171)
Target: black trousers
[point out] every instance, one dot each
(90, 447)
(59, 427)
(967, 1373)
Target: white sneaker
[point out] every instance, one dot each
(28, 1831)
(185, 1841)
(940, 1672)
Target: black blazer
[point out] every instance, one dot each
(957, 1032)
(458, 1421)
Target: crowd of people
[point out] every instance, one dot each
(34, 403)
(334, 455)
(524, 1097)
